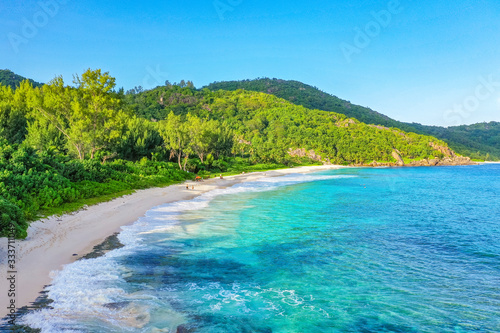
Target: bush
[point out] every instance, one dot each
(75, 171)
(220, 164)
(31, 183)
(12, 221)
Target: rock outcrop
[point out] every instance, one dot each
(455, 160)
(446, 151)
(345, 123)
(244, 142)
(301, 152)
(450, 158)
(380, 127)
(397, 156)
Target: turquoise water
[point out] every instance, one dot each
(350, 250)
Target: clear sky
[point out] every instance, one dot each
(433, 62)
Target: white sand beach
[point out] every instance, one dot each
(52, 242)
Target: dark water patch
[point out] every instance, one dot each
(374, 324)
(186, 328)
(295, 257)
(109, 244)
(117, 305)
(215, 323)
(223, 271)
(42, 302)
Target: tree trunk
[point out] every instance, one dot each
(179, 159)
(107, 157)
(185, 162)
(80, 154)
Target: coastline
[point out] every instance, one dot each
(57, 241)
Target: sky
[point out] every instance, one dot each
(431, 62)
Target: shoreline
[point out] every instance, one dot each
(60, 240)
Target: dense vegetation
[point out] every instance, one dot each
(61, 146)
(9, 78)
(32, 182)
(481, 141)
(266, 127)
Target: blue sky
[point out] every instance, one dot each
(432, 62)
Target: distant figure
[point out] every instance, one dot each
(187, 187)
(192, 187)
(221, 176)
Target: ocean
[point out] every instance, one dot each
(348, 250)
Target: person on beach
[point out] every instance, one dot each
(187, 187)
(221, 176)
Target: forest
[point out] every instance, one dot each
(479, 141)
(64, 146)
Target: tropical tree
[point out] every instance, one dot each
(13, 111)
(140, 139)
(199, 135)
(175, 136)
(88, 116)
(101, 119)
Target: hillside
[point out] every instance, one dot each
(269, 128)
(478, 141)
(9, 78)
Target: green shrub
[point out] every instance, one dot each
(12, 220)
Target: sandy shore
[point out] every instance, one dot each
(52, 242)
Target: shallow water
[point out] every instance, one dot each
(350, 250)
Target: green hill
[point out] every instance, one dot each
(481, 140)
(268, 128)
(8, 78)
(478, 140)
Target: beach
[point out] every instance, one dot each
(60, 240)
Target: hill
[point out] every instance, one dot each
(480, 141)
(11, 79)
(268, 128)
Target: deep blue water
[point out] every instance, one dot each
(350, 250)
